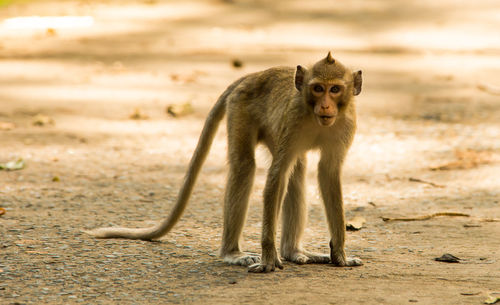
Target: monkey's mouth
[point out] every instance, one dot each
(326, 120)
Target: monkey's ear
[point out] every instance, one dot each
(358, 81)
(299, 77)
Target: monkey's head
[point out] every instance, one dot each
(328, 88)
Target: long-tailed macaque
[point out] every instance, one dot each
(290, 111)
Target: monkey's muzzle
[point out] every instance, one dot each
(326, 120)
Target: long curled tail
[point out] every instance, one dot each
(207, 135)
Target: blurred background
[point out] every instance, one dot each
(152, 69)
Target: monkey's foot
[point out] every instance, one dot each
(339, 259)
(303, 257)
(241, 259)
(348, 262)
(354, 261)
(265, 268)
(268, 264)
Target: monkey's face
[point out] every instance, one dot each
(328, 88)
(326, 100)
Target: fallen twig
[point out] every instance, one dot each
(470, 293)
(429, 216)
(425, 217)
(489, 219)
(411, 179)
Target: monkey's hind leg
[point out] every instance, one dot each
(294, 220)
(239, 184)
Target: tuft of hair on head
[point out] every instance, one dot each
(329, 58)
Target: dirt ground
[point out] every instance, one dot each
(428, 142)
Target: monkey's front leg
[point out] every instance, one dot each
(329, 181)
(294, 220)
(273, 196)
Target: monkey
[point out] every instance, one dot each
(290, 111)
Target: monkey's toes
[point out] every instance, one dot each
(263, 268)
(354, 261)
(241, 259)
(259, 268)
(349, 262)
(300, 259)
(248, 260)
(303, 257)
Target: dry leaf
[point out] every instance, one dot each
(51, 32)
(495, 90)
(13, 165)
(466, 159)
(448, 258)
(138, 115)
(178, 110)
(42, 120)
(2, 211)
(355, 224)
(492, 300)
(237, 63)
(7, 126)
(186, 78)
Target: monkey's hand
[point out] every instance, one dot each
(339, 258)
(269, 262)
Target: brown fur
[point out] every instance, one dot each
(289, 111)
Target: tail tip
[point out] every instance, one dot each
(94, 233)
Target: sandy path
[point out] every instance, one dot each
(421, 108)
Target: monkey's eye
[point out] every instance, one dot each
(335, 89)
(318, 88)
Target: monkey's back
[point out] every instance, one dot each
(264, 101)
